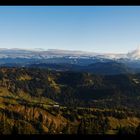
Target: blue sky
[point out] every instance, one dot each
(87, 28)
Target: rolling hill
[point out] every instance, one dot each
(42, 101)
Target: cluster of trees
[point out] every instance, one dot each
(26, 123)
(129, 130)
(97, 125)
(90, 122)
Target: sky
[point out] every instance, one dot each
(103, 29)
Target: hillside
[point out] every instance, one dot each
(29, 98)
(67, 87)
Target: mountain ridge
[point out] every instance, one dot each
(77, 59)
(135, 54)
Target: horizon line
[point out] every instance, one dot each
(70, 50)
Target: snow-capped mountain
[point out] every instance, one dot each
(135, 54)
(71, 54)
(103, 63)
(30, 53)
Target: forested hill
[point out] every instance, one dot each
(40, 101)
(73, 88)
(101, 68)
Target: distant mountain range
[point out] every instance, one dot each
(66, 60)
(40, 54)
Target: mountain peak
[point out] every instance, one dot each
(135, 54)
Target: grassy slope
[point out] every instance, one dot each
(12, 103)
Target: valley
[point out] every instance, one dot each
(42, 101)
